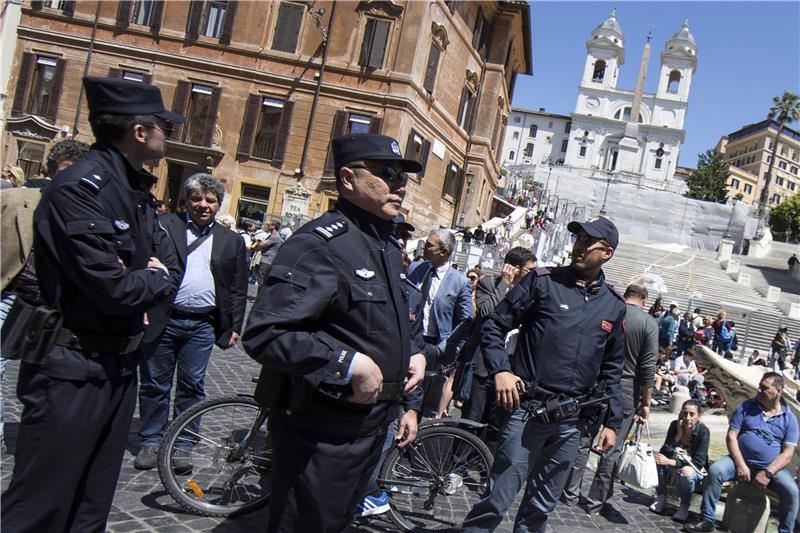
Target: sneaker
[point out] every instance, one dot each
(371, 505)
(658, 505)
(147, 458)
(182, 462)
(703, 526)
(681, 514)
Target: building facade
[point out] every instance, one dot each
(749, 152)
(605, 135)
(535, 137)
(438, 76)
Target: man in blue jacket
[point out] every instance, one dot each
(571, 338)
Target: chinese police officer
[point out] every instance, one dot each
(331, 329)
(102, 262)
(571, 339)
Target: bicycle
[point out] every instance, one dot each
(215, 461)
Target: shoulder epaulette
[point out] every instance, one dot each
(332, 229)
(542, 271)
(614, 291)
(94, 181)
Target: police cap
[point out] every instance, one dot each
(401, 225)
(115, 96)
(366, 146)
(599, 228)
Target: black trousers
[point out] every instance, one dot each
(72, 438)
(317, 479)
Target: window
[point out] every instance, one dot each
(215, 18)
(466, 109)
(568, 127)
(791, 185)
(548, 139)
(143, 12)
(748, 188)
(783, 150)
(776, 199)
(793, 170)
(265, 129)
(431, 67)
(769, 159)
(451, 178)
(39, 82)
(480, 37)
(271, 111)
(550, 124)
(516, 135)
(253, 204)
(564, 145)
(674, 82)
(376, 35)
(533, 130)
(599, 70)
(529, 150)
(582, 152)
(43, 78)
(417, 148)
(517, 120)
(287, 29)
(657, 164)
(511, 155)
(198, 104)
(358, 123)
(30, 158)
(779, 181)
(623, 114)
(782, 165)
(132, 76)
(345, 122)
(735, 184)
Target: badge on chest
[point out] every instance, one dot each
(365, 274)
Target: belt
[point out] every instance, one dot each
(95, 342)
(196, 314)
(390, 392)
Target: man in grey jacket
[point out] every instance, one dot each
(641, 351)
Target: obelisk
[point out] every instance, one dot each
(629, 145)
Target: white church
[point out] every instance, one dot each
(629, 132)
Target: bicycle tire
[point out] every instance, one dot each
(217, 475)
(433, 482)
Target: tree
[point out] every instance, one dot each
(784, 110)
(784, 219)
(710, 181)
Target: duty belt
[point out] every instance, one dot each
(95, 342)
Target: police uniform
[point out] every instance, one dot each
(78, 402)
(571, 338)
(337, 287)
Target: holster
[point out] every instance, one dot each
(29, 331)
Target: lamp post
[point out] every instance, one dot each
(605, 196)
(470, 177)
(730, 219)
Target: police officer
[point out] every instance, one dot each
(102, 261)
(571, 338)
(331, 329)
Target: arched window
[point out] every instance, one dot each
(599, 70)
(511, 155)
(625, 114)
(674, 82)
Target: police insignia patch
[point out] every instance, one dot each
(395, 147)
(121, 225)
(363, 273)
(607, 326)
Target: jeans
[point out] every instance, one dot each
(532, 454)
(5, 307)
(185, 343)
(783, 485)
(685, 484)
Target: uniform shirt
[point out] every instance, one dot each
(571, 337)
(437, 275)
(761, 440)
(197, 287)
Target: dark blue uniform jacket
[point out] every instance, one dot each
(570, 339)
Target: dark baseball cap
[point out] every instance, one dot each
(116, 96)
(400, 224)
(367, 146)
(597, 227)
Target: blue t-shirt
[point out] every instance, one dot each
(761, 441)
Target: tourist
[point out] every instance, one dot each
(781, 346)
(657, 309)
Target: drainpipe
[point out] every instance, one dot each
(86, 68)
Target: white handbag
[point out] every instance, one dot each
(637, 463)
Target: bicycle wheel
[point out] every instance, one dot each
(215, 459)
(434, 481)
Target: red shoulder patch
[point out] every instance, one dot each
(607, 326)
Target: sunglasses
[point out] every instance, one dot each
(389, 174)
(168, 129)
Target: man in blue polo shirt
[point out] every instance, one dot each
(762, 437)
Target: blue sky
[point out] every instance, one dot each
(748, 52)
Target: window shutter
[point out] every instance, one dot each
(69, 7)
(426, 148)
(430, 69)
(227, 28)
(462, 103)
(193, 21)
(37, 5)
(379, 40)
(58, 84)
(158, 14)
(283, 132)
(147, 78)
(366, 46)
(211, 118)
(114, 73)
(179, 103)
(476, 33)
(249, 125)
(26, 69)
(472, 104)
(495, 130)
(375, 124)
(287, 29)
(410, 145)
(339, 122)
(124, 13)
(281, 29)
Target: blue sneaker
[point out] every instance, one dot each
(371, 505)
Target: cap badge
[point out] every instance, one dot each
(121, 225)
(395, 147)
(593, 219)
(365, 274)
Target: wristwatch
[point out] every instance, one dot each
(769, 474)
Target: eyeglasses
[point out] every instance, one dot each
(473, 278)
(168, 129)
(389, 174)
(587, 240)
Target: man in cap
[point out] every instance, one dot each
(102, 262)
(571, 341)
(330, 327)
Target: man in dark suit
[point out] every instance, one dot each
(208, 309)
